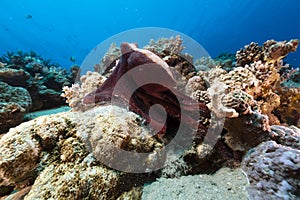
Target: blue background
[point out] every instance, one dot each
(60, 29)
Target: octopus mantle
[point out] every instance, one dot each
(176, 104)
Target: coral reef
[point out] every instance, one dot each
(249, 94)
(106, 138)
(251, 53)
(273, 171)
(52, 152)
(241, 136)
(165, 46)
(271, 52)
(41, 78)
(240, 101)
(14, 77)
(275, 51)
(273, 166)
(226, 60)
(80, 154)
(39, 82)
(108, 61)
(259, 76)
(14, 103)
(205, 64)
(287, 136)
(169, 50)
(75, 94)
(289, 110)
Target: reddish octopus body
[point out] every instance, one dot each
(173, 101)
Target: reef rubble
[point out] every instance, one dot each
(72, 155)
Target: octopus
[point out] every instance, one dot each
(175, 103)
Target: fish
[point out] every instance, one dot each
(72, 59)
(28, 16)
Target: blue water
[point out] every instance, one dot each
(61, 29)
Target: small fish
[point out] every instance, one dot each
(72, 58)
(28, 16)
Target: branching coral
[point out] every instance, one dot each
(166, 46)
(108, 61)
(77, 92)
(251, 53)
(271, 52)
(275, 51)
(41, 78)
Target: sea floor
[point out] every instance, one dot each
(224, 184)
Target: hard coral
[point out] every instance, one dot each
(275, 51)
(14, 77)
(108, 140)
(14, 103)
(242, 79)
(251, 53)
(273, 171)
(247, 131)
(108, 61)
(240, 101)
(287, 136)
(289, 110)
(169, 50)
(41, 78)
(205, 64)
(77, 92)
(271, 52)
(166, 46)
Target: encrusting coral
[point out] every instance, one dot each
(273, 171)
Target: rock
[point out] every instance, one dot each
(55, 154)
